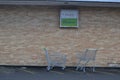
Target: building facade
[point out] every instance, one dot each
(26, 30)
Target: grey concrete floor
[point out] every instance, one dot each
(13, 73)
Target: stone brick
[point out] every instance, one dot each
(26, 30)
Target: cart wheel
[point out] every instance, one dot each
(63, 68)
(48, 68)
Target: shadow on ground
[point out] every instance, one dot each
(25, 73)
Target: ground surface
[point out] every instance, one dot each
(13, 73)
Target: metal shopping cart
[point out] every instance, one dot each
(55, 59)
(85, 57)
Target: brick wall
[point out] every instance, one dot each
(26, 30)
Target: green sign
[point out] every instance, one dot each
(69, 22)
(69, 18)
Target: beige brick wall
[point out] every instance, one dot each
(26, 30)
